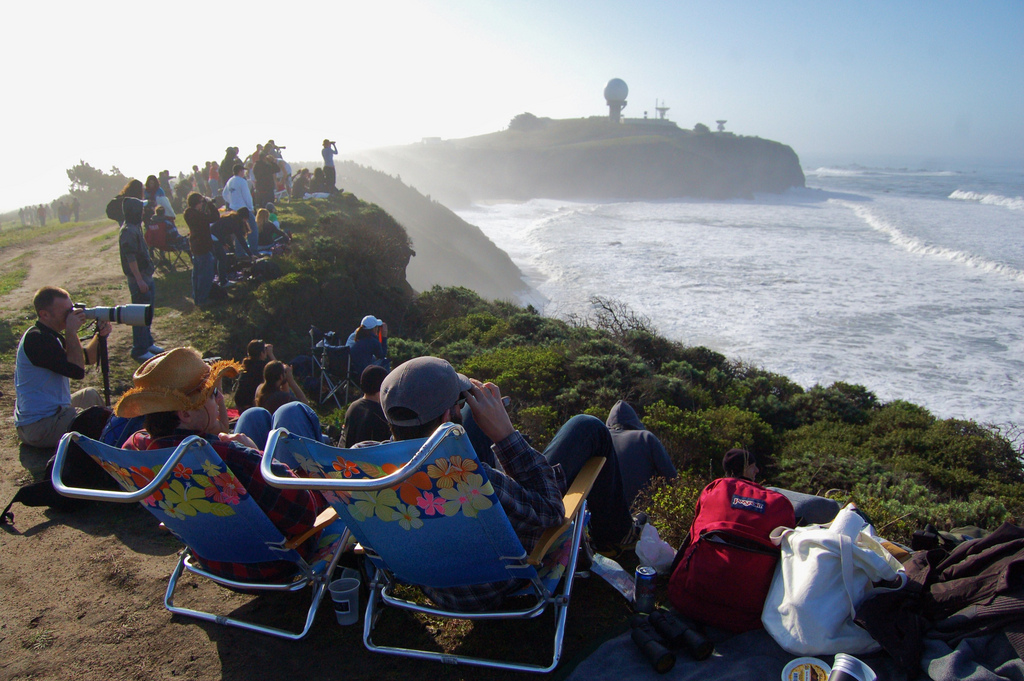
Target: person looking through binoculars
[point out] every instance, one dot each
(44, 405)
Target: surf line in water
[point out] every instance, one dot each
(918, 247)
(989, 199)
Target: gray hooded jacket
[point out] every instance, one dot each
(641, 455)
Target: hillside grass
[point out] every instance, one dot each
(902, 464)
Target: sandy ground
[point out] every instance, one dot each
(81, 593)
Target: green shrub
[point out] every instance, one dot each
(735, 427)
(670, 506)
(540, 423)
(528, 373)
(685, 434)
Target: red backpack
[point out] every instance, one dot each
(722, 575)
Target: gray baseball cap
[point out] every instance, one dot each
(425, 386)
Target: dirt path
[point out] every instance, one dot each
(81, 593)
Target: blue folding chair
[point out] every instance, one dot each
(197, 497)
(426, 515)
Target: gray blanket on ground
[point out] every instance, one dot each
(755, 656)
(751, 656)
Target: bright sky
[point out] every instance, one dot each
(147, 86)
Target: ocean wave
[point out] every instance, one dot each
(862, 171)
(1016, 203)
(918, 247)
(834, 172)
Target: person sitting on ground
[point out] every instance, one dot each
(423, 393)
(278, 387)
(257, 354)
(640, 453)
(368, 345)
(300, 184)
(318, 185)
(739, 463)
(364, 418)
(808, 508)
(270, 234)
(44, 405)
(180, 395)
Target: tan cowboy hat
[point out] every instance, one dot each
(175, 380)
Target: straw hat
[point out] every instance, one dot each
(175, 380)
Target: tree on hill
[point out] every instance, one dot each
(526, 122)
(93, 188)
(700, 127)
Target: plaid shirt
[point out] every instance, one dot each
(291, 511)
(530, 490)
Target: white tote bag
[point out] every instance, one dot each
(825, 572)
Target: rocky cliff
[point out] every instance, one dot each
(449, 250)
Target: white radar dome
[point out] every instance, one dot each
(616, 90)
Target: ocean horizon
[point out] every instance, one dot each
(906, 277)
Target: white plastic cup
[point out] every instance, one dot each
(345, 594)
(849, 668)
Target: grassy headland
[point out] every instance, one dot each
(592, 159)
(901, 464)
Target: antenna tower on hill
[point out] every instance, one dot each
(662, 110)
(721, 125)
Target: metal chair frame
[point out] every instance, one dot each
(315, 576)
(330, 383)
(384, 582)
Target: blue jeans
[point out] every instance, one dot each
(141, 336)
(298, 418)
(202, 277)
(581, 438)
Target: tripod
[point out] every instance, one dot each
(104, 362)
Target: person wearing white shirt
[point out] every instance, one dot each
(237, 195)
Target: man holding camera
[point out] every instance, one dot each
(44, 406)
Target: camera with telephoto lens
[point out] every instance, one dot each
(132, 315)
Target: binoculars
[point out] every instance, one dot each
(654, 634)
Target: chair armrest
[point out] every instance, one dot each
(326, 517)
(112, 495)
(573, 500)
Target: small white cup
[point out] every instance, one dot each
(345, 594)
(849, 668)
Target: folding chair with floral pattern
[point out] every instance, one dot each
(197, 497)
(426, 515)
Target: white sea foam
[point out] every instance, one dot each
(807, 284)
(1016, 203)
(914, 245)
(833, 172)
